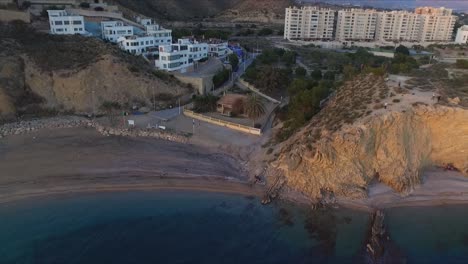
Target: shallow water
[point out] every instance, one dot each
(175, 227)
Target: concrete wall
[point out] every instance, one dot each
(200, 84)
(219, 122)
(255, 90)
(9, 15)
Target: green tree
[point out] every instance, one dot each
(316, 74)
(254, 107)
(265, 32)
(402, 50)
(234, 61)
(349, 71)
(301, 71)
(205, 103)
(329, 75)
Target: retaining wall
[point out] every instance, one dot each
(219, 122)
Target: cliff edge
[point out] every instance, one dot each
(391, 145)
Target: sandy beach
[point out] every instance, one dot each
(78, 160)
(81, 160)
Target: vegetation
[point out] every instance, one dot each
(221, 77)
(402, 50)
(199, 32)
(301, 72)
(265, 32)
(462, 64)
(234, 61)
(254, 107)
(205, 103)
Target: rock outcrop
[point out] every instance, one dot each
(393, 148)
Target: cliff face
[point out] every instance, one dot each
(74, 73)
(392, 147)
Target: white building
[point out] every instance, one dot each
(356, 25)
(462, 35)
(424, 25)
(181, 56)
(164, 35)
(113, 30)
(63, 23)
(218, 48)
(398, 26)
(140, 44)
(309, 22)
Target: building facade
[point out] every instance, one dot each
(113, 30)
(462, 35)
(138, 45)
(425, 24)
(398, 26)
(63, 23)
(356, 25)
(309, 22)
(218, 48)
(182, 55)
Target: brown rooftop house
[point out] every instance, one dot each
(231, 104)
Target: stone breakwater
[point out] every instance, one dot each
(24, 127)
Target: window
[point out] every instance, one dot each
(77, 22)
(58, 23)
(66, 22)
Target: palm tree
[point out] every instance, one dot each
(254, 107)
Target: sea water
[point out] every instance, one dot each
(431, 234)
(175, 227)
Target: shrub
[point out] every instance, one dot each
(98, 8)
(396, 100)
(301, 71)
(84, 5)
(462, 64)
(265, 32)
(205, 103)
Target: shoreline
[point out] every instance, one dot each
(216, 185)
(230, 186)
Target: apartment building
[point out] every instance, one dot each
(147, 43)
(182, 55)
(218, 48)
(310, 23)
(63, 23)
(425, 24)
(164, 35)
(436, 28)
(398, 26)
(462, 35)
(113, 30)
(356, 25)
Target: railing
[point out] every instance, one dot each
(255, 90)
(219, 122)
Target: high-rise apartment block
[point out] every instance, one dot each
(309, 23)
(425, 24)
(356, 24)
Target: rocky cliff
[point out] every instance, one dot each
(75, 74)
(390, 146)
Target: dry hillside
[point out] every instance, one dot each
(354, 140)
(40, 72)
(263, 11)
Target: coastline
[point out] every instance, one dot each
(217, 185)
(55, 162)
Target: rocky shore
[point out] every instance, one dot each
(24, 127)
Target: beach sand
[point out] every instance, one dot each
(81, 160)
(77, 160)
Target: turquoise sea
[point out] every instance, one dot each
(197, 227)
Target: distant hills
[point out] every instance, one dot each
(235, 10)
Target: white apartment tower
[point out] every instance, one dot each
(462, 35)
(309, 22)
(398, 26)
(63, 23)
(181, 56)
(437, 26)
(356, 25)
